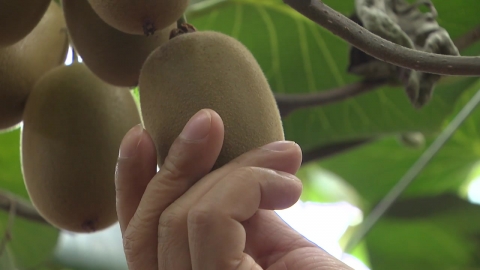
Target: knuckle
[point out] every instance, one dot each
(171, 169)
(240, 159)
(171, 228)
(200, 216)
(170, 219)
(130, 244)
(245, 173)
(246, 158)
(254, 155)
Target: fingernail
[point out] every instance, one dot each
(129, 145)
(197, 127)
(279, 146)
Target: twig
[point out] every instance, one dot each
(412, 173)
(74, 58)
(326, 151)
(382, 49)
(23, 208)
(74, 55)
(182, 20)
(468, 39)
(7, 235)
(287, 103)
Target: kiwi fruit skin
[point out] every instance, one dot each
(18, 18)
(211, 70)
(73, 126)
(140, 17)
(114, 56)
(23, 63)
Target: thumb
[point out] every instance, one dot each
(191, 157)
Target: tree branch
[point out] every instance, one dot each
(468, 39)
(287, 103)
(382, 49)
(22, 208)
(330, 150)
(7, 235)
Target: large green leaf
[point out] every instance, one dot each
(457, 17)
(10, 169)
(7, 260)
(320, 185)
(374, 169)
(32, 243)
(298, 56)
(402, 244)
(427, 233)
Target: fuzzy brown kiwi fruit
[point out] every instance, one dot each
(114, 56)
(18, 18)
(73, 125)
(23, 63)
(201, 70)
(140, 17)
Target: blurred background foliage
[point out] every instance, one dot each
(432, 226)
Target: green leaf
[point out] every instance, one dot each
(402, 244)
(320, 185)
(427, 233)
(374, 169)
(298, 56)
(32, 243)
(11, 177)
(474, 50)
(447, 209)
(462, 20)
(7, 260)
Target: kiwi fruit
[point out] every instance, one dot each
(140, 17)
(23, 63)
(200, 70)
(18, 18)
(114, 56)
(73, 126)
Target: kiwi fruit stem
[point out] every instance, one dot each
(149, 28)
(182, 29)
(74, 52)
(74, 55)
(182, 20)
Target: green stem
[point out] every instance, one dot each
(182, 20)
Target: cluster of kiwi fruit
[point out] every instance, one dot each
(75, 116)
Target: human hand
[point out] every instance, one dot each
(186, 217)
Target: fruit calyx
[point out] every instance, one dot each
(184, 28)
(148, 27)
